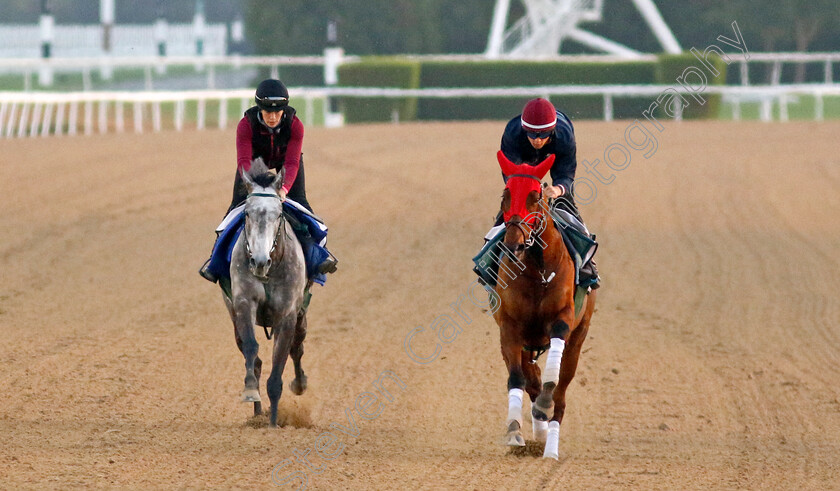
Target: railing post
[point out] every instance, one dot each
(59, 119)
(73, 119)
(776, 75)
(36, 119)
(157, 124)
(783, 108)
(767, 109)
(222, 113)
(24, 119)
(119, 117)
(201, 110)
(608, 107)
(88, 118)
(4, 107)
(103, 117)
(47, 121)
(745, 74)
(138, 117)
(10, 125)
(818, 107)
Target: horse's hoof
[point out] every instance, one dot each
(514, 436)
(538, 414)
(515, 439)
(251, 395)
(298, 385)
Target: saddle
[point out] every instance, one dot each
(309, 229)
(579, 242)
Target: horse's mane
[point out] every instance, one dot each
(265, 179)
(260, 173)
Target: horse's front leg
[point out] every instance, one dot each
(243, 321)
(298, 385)
(512, 353)
(568, 367)
(544, 406)
(284, 334)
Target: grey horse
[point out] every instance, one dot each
(267, 280)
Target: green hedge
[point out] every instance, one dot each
(524, 73)
(379, 72)
(669, 68)
(398, 72)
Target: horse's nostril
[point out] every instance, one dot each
(252, 263)
(268, 264)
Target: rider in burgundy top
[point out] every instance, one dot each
(271, 130)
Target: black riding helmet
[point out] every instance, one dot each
(272, 95)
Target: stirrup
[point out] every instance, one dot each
(329, 265)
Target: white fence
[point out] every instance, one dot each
(144, 58)
(30, 114)
(24, 40)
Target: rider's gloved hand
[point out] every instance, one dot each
(554, 191)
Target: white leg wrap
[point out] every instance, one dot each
(515, 406)
(540, 429)
(552, 361)
(552, 442)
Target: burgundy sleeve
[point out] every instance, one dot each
(292, 162)
(244, 150)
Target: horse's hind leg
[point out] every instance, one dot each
(283, 339)
(568, 366)
(298, 385)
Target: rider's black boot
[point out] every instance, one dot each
(206, 274)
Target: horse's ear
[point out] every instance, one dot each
(507, 166)
(542, 168)
(279, 180)
(246, 179)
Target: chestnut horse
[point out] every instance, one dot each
(536, 309)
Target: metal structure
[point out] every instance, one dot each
(547, 23)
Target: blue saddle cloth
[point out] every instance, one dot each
(314, 250)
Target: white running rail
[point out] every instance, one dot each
(31, 114)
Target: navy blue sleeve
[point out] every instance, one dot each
(565, 150)
(510, 146)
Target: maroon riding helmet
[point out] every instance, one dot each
(539, 118)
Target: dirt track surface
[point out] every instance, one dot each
(713, 360)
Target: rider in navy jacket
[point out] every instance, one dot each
(518, 148)
(540, 131)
